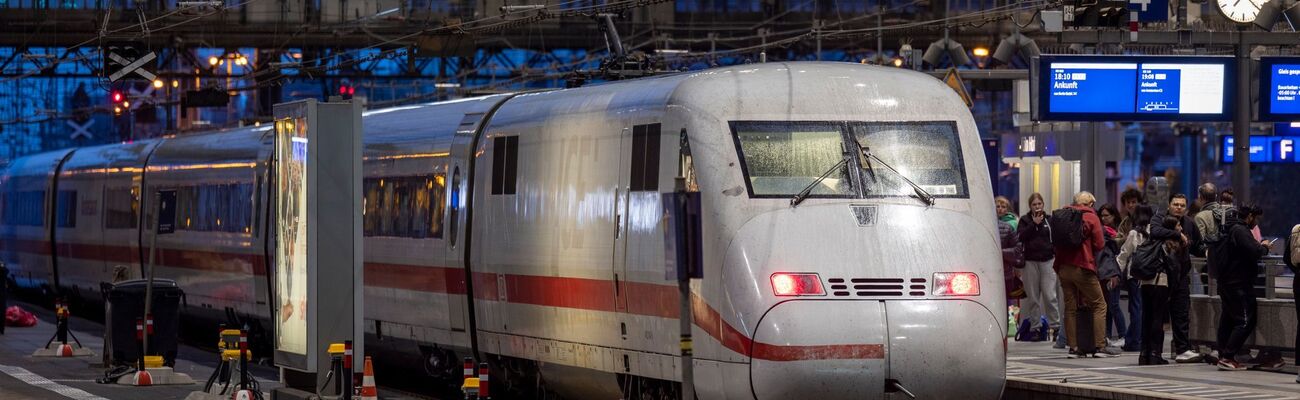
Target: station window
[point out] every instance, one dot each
(215, 208)
(65, 215)
(409, 206)
(505, 164)
(121, 208)
(25, 208)
(645, 158)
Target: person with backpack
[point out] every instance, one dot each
(1291, 256)
(1109, 272)
(1146, 257)
(1038, 276)
(1077, 238)
(1240, 253)
(1180, 296)
(1005, 211)
(1209, 223)
(1129, 201)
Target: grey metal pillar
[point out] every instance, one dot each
(1241, 125)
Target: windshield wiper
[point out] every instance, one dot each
(865, 156)
(803, 194)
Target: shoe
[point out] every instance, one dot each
(1270, 365)
(1158, 360)
(1044, 330)
(1119, 343)
(1108, 351)
(1074, 353)
(1023, 331)
(1190, 356)
(1230, 365)
(1144, 360)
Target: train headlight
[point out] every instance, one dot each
(793, 284)
(956, 284)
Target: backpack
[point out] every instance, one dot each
(1148, 260)
(1107, 263)
(1215, 230)
(1067, 227)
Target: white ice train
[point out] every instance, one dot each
(550, 201)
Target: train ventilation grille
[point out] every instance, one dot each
(877, 287)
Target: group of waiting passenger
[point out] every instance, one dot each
(1073, 263)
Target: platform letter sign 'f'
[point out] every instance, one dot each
(123, 60)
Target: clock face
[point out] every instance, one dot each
(1243, 11)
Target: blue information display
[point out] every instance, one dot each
(1265, 149)
(1134, 88)
(1279, 89)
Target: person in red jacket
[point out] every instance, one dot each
(1076, 266)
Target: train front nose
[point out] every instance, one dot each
(859, 349)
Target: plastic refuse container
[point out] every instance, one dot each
(126, 301)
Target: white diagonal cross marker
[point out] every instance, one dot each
(132, 66)
(81, 129)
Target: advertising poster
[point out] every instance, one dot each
(291, 235)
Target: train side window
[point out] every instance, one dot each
(66, 210)
(26, 208)
(645, 158)
(121, 208)
(409, 207)
(505, 164)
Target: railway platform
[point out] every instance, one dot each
(1037, 371)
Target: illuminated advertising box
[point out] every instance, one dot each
(317, 232)
(1133, 88)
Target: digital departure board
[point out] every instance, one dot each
(1279, 89)
(1134, 88)
(1264, 149)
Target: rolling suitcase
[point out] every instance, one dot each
(1083, 331)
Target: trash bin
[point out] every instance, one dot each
(126, 300)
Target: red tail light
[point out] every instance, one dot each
(787, 284)
(956, 284)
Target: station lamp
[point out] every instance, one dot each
(947, 46)
(213, 61)
(1274, 9)
(1017, 43)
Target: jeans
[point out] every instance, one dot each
(1114, 315)
(1154, 307)
(1180, 305)
(1080, 285)
(1133, 337)
(1237, 320)
(1040, 294)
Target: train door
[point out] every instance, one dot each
(622, 193)
(458, 166)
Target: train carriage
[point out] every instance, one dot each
(848, 234)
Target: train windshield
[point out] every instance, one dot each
(928, 153)
(781, 158)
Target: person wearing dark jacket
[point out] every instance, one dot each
(1040, 280)
(1180, 296)
(1011, 257)
(1241, 255)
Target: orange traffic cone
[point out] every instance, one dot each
(65, 350)
(142, 378)
(368, 390)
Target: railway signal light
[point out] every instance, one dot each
(346, 91)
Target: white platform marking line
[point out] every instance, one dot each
(39, 381)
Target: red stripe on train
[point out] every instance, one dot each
(637, 298)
